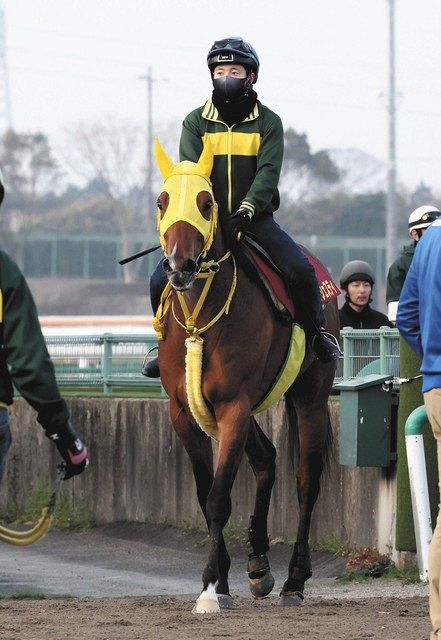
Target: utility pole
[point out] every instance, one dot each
(148, 78)
(391, 203)
(5, 100)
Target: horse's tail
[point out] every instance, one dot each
(293, 435)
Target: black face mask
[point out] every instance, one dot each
(231, 89)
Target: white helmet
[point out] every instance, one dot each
(423, 216)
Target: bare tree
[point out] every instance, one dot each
(111, 154)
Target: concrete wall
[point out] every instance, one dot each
(139, 471)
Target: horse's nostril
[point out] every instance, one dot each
(166, 265)
(189, 266)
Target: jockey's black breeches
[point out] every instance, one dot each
(294, 265)
(290, 260)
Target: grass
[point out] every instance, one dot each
(235, 531)
(97, 391)
(406, 576)
(330, 544)
(31, 595)
(68, 514)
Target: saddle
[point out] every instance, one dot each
(274, 282)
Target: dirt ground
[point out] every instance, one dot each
(164, 617)
(129, 581)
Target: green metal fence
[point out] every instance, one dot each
(369, 351)
(110, 362)
(103, 363)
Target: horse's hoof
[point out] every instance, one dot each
(225, 601)
(291, 600)
(261, 587)
(207, 602)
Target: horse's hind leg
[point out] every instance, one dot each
(199, 449)
(315, 434)
(262, 455)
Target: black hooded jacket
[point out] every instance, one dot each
(367, 318)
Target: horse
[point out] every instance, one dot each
(216, 382)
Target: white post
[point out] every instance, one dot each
(420, 501)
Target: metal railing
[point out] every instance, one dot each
(109, 362)
(105, 362)
(368, 351)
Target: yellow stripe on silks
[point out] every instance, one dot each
(242, 144)
(289, 372)
(193, 381)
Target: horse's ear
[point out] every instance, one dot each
(205, 162)
(164, 162)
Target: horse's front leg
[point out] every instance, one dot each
(199, 448)
(233, 424)
(313, 425)
(262, 455)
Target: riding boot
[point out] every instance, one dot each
(324, 345)
(150, 366)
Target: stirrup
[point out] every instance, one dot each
(325, 347)
(333, 339)
(150, 368)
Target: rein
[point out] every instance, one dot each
(194, 343)
(208, 272)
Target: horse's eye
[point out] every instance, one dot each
(207, 206)
(159, 205)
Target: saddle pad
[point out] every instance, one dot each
(328, 289)
(288, 371)
(265, 265)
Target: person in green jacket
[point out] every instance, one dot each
(419, 220)
(247, 141)
(26, 365)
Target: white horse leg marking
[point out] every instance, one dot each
(207, 601)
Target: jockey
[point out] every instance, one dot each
(25, 363)
(247, 140)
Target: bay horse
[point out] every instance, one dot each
(215, 382)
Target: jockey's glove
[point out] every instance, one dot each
(72, 450)
(240, 221)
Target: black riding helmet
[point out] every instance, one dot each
(230, 50)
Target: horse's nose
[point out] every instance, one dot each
(189, 267)
(166, 265)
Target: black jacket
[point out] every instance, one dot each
(368, 318)
(398, 271)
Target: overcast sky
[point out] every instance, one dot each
(323, 66)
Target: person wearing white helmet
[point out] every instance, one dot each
(419, 220)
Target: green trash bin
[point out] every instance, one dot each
(365, 421)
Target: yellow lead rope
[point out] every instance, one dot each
(25, 538)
